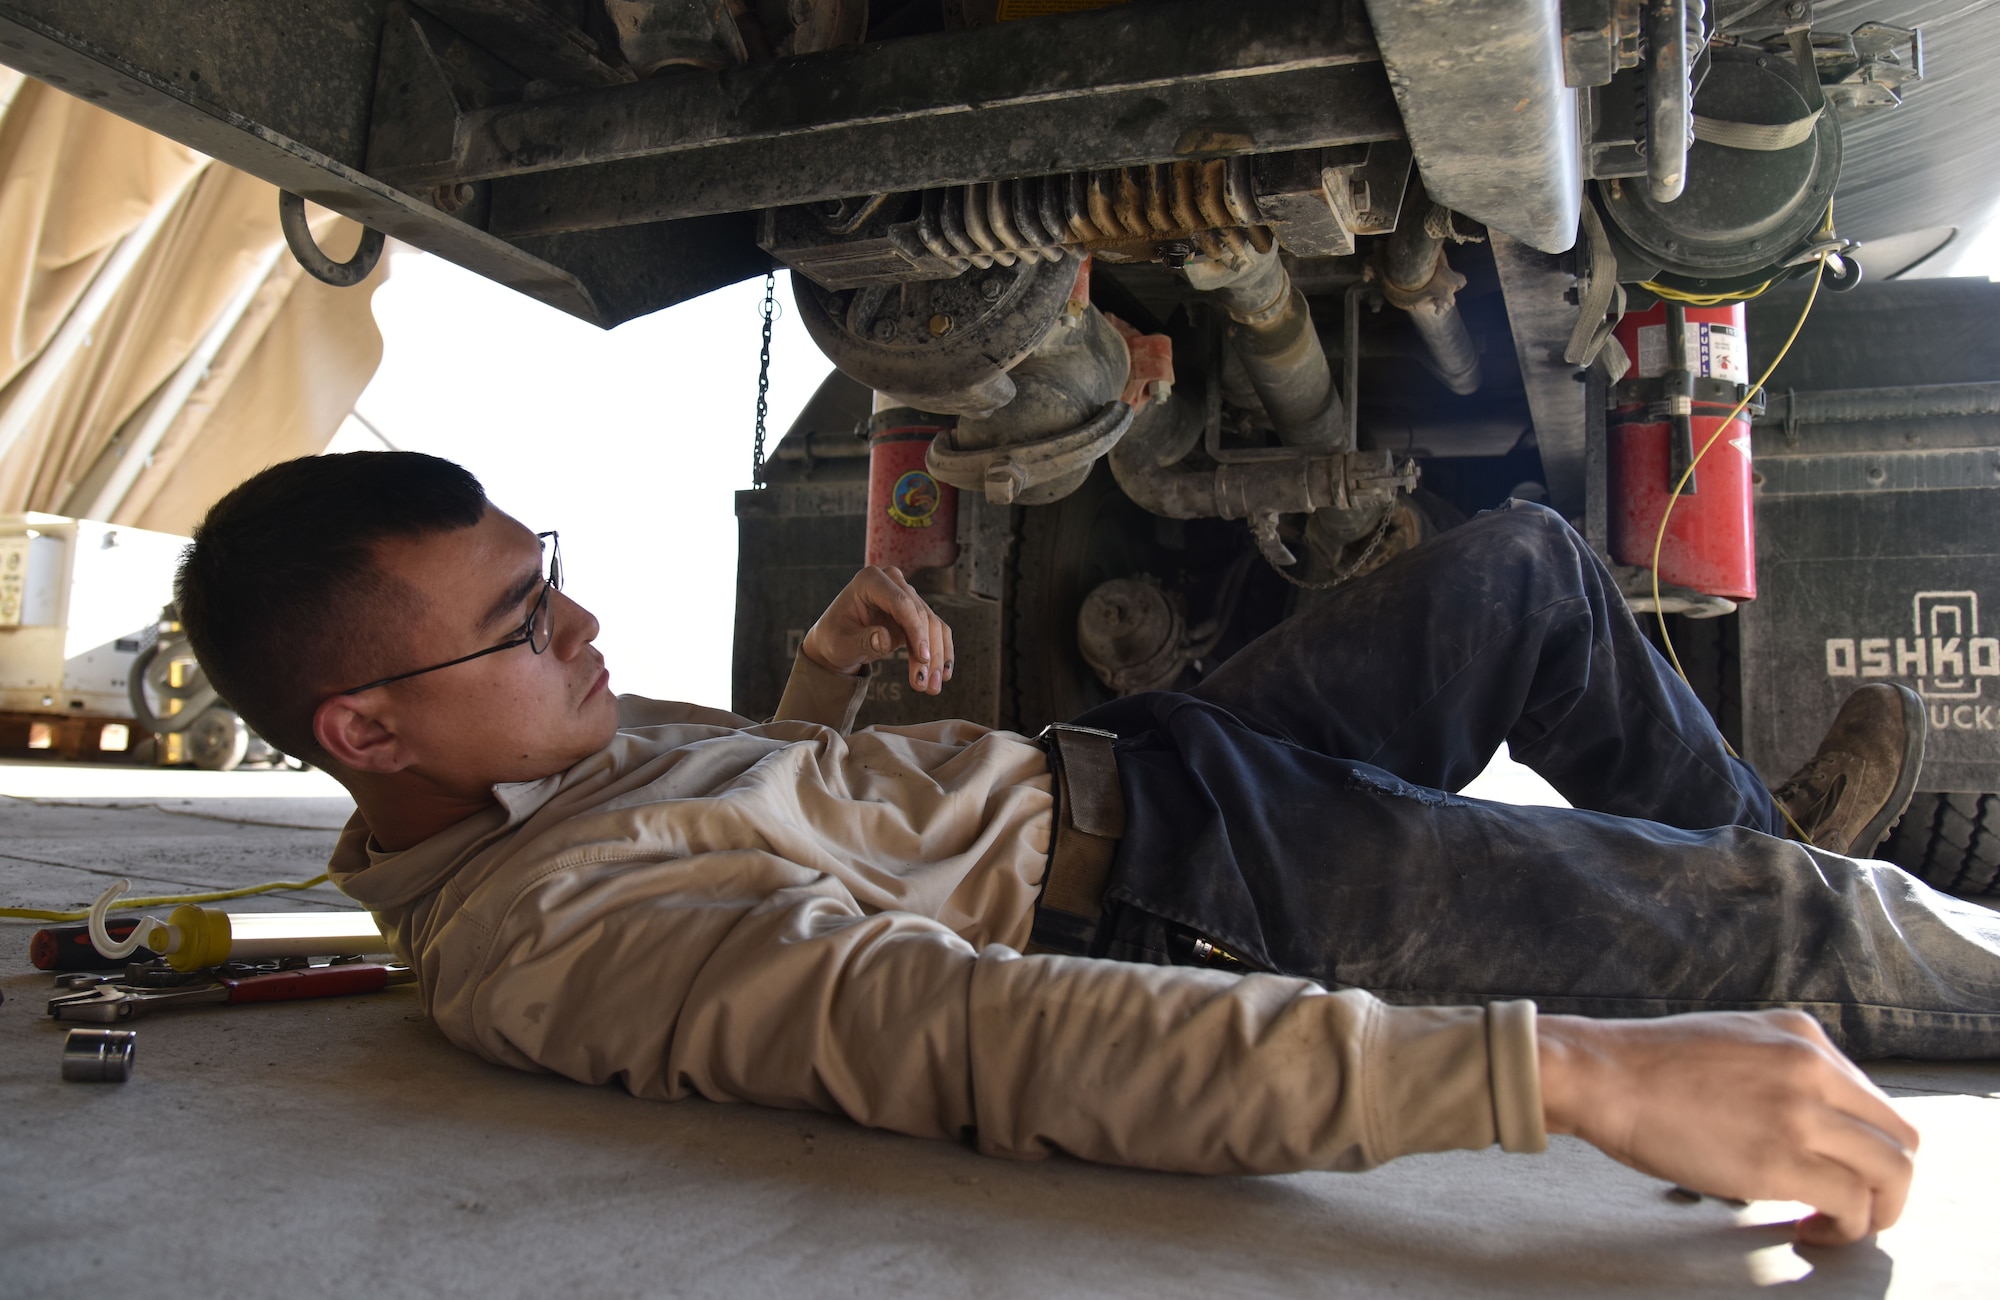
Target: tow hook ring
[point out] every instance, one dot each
(299, 238)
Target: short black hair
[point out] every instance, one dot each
(280, 594)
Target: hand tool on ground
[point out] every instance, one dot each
(112, 1001)
(192, 938)
(68, 947)
(98, 1055)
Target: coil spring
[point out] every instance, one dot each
(1125, 213)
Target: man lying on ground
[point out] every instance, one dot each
(1118, 942)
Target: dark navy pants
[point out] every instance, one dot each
(1295, 809)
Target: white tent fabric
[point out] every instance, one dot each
(157, 343)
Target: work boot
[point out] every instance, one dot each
(1859, 781)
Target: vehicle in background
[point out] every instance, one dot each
(85, 673)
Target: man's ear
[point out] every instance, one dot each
(348, 729)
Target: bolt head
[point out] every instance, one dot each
(1796, 9)
(452, 197)
(884, 330)
(990, 288)
(1004, 482)
(940, 325)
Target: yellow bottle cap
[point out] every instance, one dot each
(204, 937)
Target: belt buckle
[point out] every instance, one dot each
(1047, 734)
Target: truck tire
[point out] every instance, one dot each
(1710, 652)
(1950, 842)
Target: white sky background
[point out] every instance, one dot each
(631, 441)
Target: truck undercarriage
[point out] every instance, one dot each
(1181, 314)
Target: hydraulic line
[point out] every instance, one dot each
(1272, 332)
(1416, 277)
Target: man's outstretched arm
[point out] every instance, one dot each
(1757, 1105)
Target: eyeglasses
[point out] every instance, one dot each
(535, 633)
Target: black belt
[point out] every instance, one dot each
(1090, 820)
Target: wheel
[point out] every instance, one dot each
(151, 677)
(1710, 650)
(218, 740)
(1950, 842)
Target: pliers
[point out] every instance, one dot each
(110, 1001)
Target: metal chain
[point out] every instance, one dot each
(769, 312)
(1360, 561)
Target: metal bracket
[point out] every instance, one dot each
(1006, 473)
(299, 238)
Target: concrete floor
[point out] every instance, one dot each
(343, 1148)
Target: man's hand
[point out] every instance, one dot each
(870, 618)
(1756, 1105)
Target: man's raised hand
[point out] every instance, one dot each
(875, 614)
(1756, 1105)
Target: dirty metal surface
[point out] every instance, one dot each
(1480, 85)
(278, 114)
(1090, 59)
(1541, 319)
(1877, 566)
(307, 79)
(1877, 555)
(1109, 88)
(640, 213)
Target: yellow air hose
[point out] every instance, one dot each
(1660, 537)
(161, 900)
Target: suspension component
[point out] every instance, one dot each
(1313, 201)
(939, 345)
(1066, 413)
(1167, 211)
(1675, 35)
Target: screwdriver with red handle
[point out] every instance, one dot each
(68, 947)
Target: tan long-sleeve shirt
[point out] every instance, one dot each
(791, 915)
